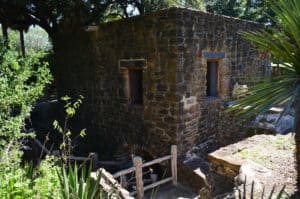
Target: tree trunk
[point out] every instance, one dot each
(4, 32)
(22, 42)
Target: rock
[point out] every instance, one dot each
(239, 90)
(194, 178)
(225, 163)
(275, 122)
(253, 174)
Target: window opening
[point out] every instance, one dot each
(212, 79)
(134, 68)
(136, 86)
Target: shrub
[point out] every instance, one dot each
(22, 81)
(46, 182)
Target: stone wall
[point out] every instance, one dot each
(175, 108)
(200, 34)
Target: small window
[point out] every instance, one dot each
(136, 86)
(212, 79)
(133, 71)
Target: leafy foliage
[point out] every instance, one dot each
(52, 15)
(46, 180)
(195, 4)
(283, 44)
(13, 178)
(258, 10)
(22, 81)
(83, 187)
(36, 40)
(17, 181)
(66, 144)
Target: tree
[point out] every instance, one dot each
(195, 4)
(50, 14)
(128, 8)
(283, 44)
(258, 10)
(146, 6)
(224, 7)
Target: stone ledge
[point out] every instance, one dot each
(225, 163)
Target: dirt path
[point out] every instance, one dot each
(168, 191)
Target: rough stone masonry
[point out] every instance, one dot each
(159, 79)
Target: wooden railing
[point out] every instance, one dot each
(138, 169)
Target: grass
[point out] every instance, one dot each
(256, 156)
(265, 150)
(282, 143)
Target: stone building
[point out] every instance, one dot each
(158, 79)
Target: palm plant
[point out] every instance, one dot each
(283, 43)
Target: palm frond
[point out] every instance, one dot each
(264, 96)
(283, 44)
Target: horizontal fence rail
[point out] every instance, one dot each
(138, 169)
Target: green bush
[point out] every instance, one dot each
(22, 81)
(46, 182)
(14, 182)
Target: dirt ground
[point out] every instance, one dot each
(170, 192)
(275, 153)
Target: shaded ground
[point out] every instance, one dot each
(168, 191)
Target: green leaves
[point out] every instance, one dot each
(262, 97)
(70, 110)
(82, 133)
(22, 81)
(283, 44)
(77, 183)
(57, 126)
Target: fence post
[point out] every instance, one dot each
(123, 181)
(174, 163)
(94, 160)
(137, 161)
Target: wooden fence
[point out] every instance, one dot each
(138, 169)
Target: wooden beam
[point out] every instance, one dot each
(157, 183)
(174, 164)
(157, 161)
(153, 185)
(138, 164)
(124, 172)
